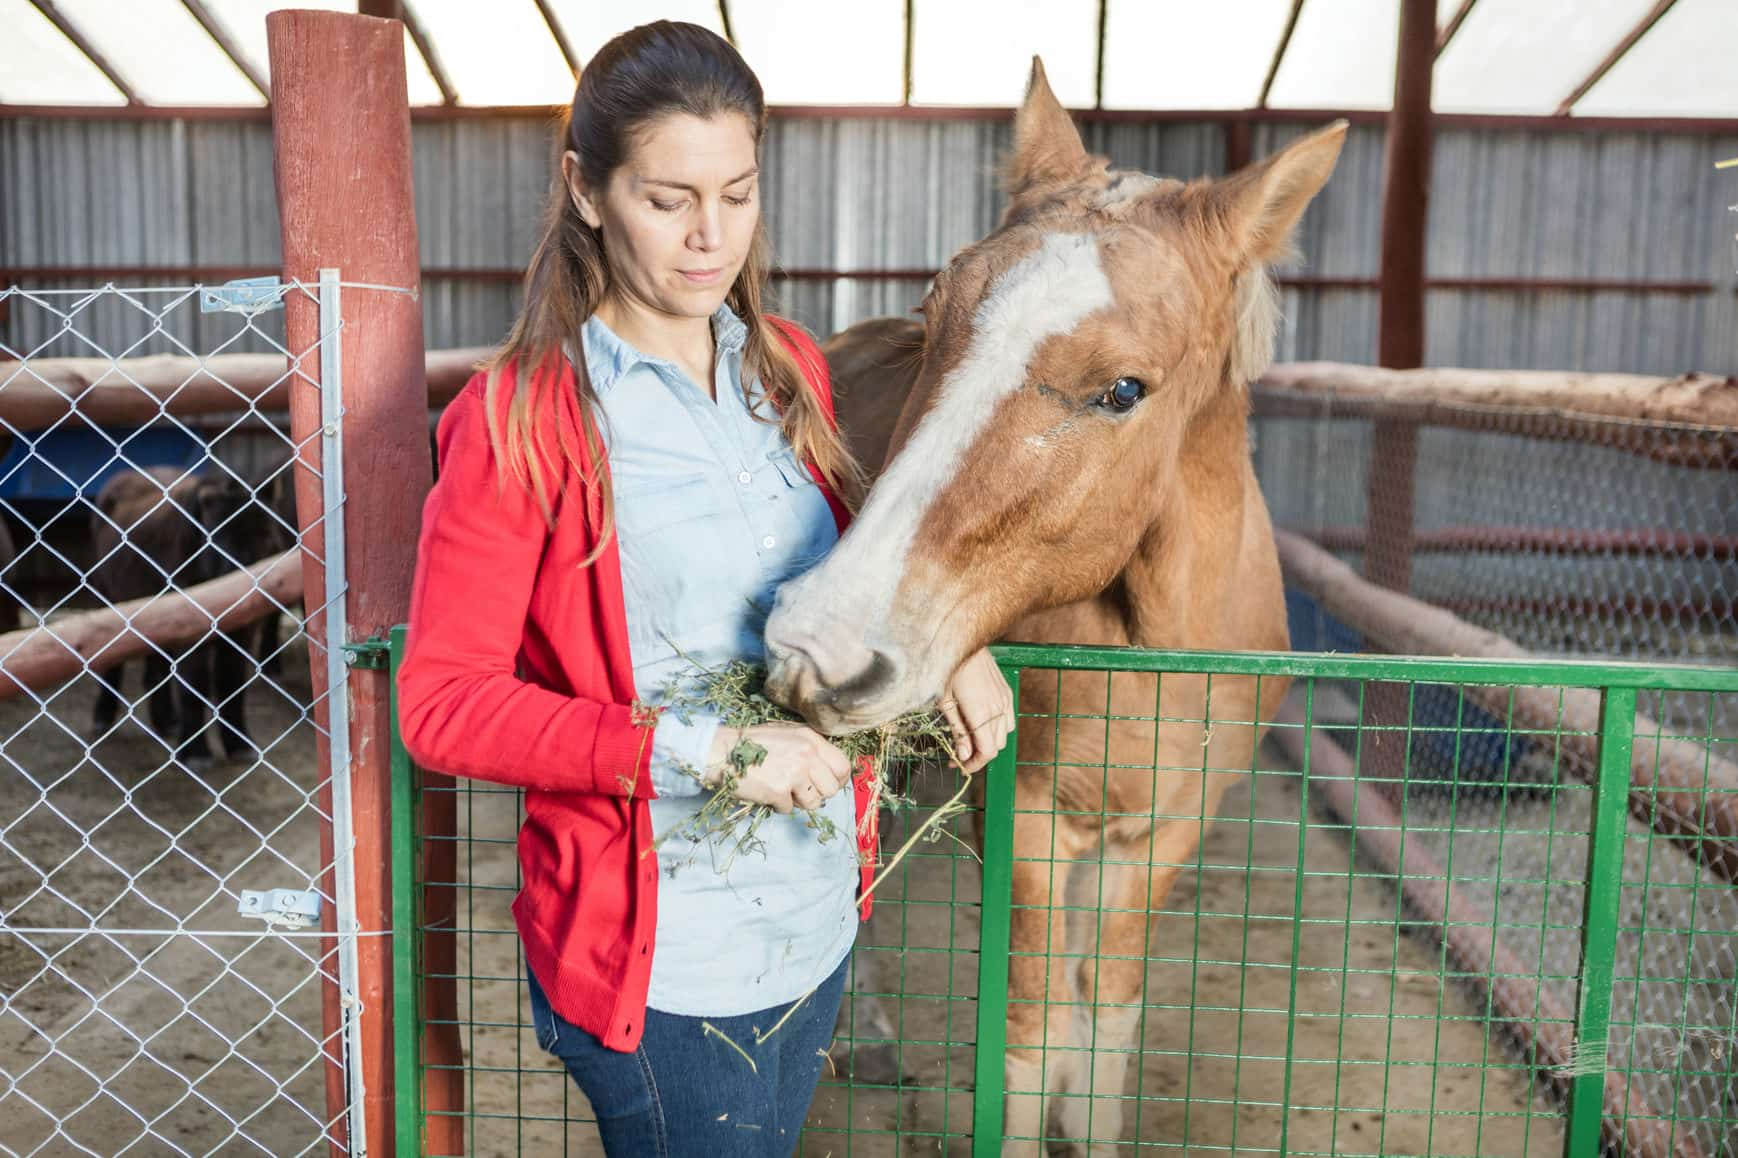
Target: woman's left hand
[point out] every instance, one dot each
(979, 707)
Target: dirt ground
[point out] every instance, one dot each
(141, 1042)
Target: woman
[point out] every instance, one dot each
(621, 492)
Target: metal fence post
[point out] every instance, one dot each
(336, 632)
(406, 991)
(1599, 923)
(993, 941)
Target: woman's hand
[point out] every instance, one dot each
(979, 707)
(798, 768)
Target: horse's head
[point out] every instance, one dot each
(1110, 324)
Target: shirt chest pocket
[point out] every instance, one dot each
(804, 522)
(672, 533)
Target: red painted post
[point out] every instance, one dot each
(1400, 345)
(341, 124)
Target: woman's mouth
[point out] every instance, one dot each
(702, 276)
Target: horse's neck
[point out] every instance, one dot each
(1205, 568)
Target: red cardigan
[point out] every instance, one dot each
(517, 671)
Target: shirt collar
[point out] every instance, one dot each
(608, 356)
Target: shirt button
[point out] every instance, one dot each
(767, 542)
(744, 478)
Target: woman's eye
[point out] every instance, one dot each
(743, 200)
(1123, 394)
(667, 206)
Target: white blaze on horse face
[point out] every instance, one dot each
(1048, 292)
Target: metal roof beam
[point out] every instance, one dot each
(419, 37)
(1098, 60)
(70, 30)
(1641, 29)
(908, 53)
(560, 34)
(1279, 53)
(225, 41)
(1447, 31)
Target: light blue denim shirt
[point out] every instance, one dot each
(713, 513)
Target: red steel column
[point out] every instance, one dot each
(341, 123)
(1400, 345)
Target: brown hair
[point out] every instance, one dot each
(646, 73)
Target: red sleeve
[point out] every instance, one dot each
(463, 709)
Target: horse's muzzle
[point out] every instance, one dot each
(835, 691)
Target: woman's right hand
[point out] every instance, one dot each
(800, 770)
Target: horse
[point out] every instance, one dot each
(1070, 464)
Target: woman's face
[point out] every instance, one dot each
(679, 215)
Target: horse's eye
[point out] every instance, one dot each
(1123, 394)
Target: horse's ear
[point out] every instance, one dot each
(1262, 203)
(1047, 147)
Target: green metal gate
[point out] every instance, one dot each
(1515, 932)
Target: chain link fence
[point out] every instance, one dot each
(176, 928)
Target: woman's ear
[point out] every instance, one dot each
(576, 189)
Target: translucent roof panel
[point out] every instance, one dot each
(1003, 36)
(1686, 66)
(1341, 56)
(589, 25)
(807, 53)
(245, 22)
(1189, 56)
(499, 53)
(1526, 56)
(162, 52)
(40, 66)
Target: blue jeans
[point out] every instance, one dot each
(686, 1090)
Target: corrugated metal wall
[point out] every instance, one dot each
(904, 194)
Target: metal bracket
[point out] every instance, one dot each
(371, 654)
(291, 908)
(247, 295)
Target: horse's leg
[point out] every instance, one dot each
(1040, 976)
(1139, 873)
(107, 705)
(160, 696)
(232, 669)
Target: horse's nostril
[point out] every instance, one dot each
(869, 682)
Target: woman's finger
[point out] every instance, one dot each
(962, 735)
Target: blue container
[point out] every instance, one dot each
(66, 464)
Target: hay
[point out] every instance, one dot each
(734, 692)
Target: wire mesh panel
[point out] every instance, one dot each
(473, 1079)
(1675, 996)
(1428, 958)
(166, 817)
(1181, 941)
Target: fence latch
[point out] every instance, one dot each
(291, 908)
(373, 654)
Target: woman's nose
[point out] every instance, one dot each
(708, 233)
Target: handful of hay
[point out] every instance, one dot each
(735, 694)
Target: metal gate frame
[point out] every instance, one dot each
(1618, 683)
